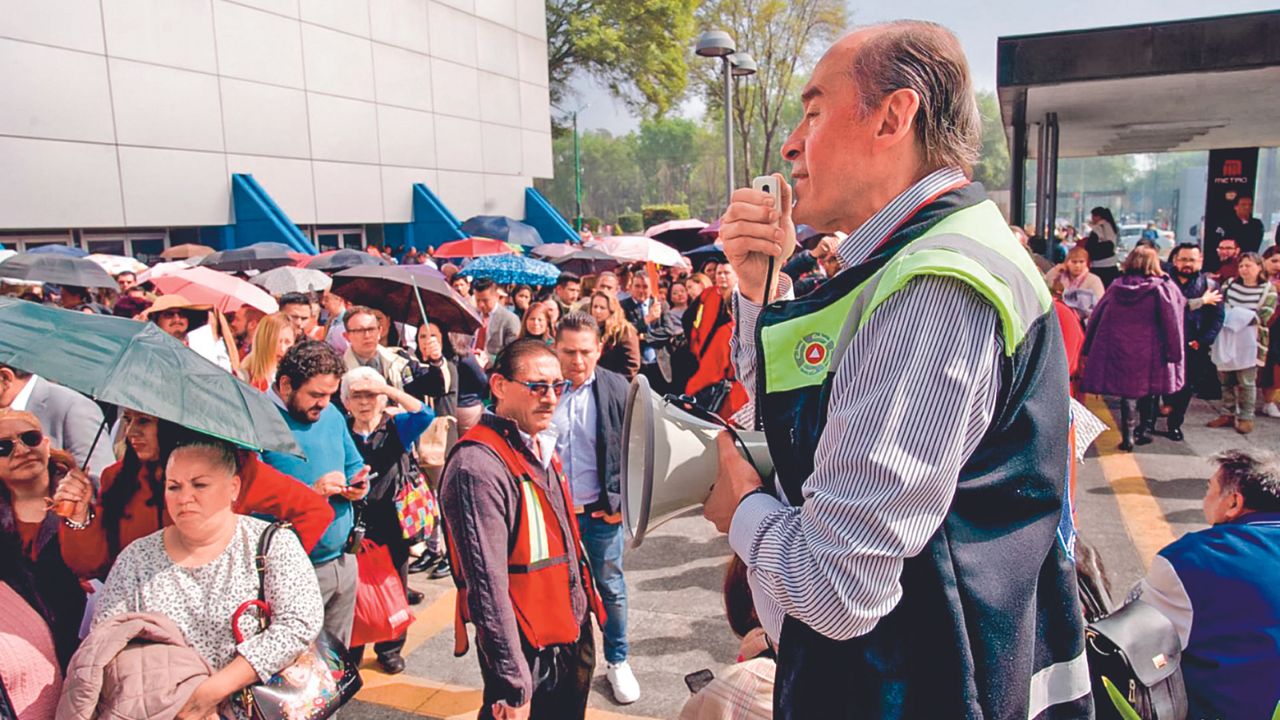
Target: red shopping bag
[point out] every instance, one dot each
(382, 612)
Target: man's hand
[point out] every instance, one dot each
(654, 313)
(358, 487)
(331, 483)
(826, 245)
(755, 227)
(736, 478)
(503, 711)
(1211, 297)
(75, 488)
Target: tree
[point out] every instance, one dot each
(786, 39)
(636, 49)
(992, 169)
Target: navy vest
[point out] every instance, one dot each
(989, 624)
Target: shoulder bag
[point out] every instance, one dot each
(1138, 650)
(313, 686)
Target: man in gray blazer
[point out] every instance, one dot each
(70, 420)
(501, 326)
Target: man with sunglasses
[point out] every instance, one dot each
(515, 551)
(71, 420)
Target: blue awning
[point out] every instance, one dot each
(549, 223)
(259, 219)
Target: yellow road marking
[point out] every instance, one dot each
(1143, 519)
(428, 698)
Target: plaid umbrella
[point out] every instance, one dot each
(508, 269)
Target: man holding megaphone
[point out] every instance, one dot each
(912, 556)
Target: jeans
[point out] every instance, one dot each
(1198, 368)
(1239, 392)
(604, 543)
(561, 678)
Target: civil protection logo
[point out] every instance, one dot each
(812, 353)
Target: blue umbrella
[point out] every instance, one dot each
(63, 250)
(508, 269)
(501, 227)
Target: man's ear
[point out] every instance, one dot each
(898, 116)
(284, 386)
(1235, 506)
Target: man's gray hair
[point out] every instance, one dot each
(1255, 474)
(350, 377)
(927, 58)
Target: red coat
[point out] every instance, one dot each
(709, 343)
(263, 491)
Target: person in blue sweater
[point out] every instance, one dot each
(306, 379)
(1220, 588)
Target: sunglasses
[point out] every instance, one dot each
(30, 438)
(559, 387)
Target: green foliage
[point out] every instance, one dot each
(1122, 706)
(631, 223)
(658, 214)
(592, 223)
(786, 38)
(636, 49)
(992, 169)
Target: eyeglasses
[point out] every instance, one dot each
(559, 387)
(362, 331)
(30, 438)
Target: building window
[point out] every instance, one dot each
(145, 245)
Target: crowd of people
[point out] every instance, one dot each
(914, 557)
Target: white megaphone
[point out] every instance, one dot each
(670, 459)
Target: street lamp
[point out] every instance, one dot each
(577, 169)
(718, 44)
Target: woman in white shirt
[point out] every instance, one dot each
(199, 570)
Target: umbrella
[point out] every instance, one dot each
(502, 228)
(138, 366)
(555, 250)
(116, 264)
(63, 250)
(6, 254)
(472, 247)
(185, 251)
(637, 248)
(339, 260)
(586, 261)
(679, 234)
(712, 251)
(210, 287)
(507, 269)
(292, 279)
(405, 293)
(162, 269)
(56, 269)
(259, 256)
(711, 231)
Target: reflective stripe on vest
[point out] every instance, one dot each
(973, 245)
(535, 523)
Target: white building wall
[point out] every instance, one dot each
(134, 113)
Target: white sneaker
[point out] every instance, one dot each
(625, 688)
(1271, 410)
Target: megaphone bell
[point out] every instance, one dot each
(670, 459)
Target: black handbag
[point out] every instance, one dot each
(1137, 648)
(321, 680)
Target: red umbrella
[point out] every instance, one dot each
(473, 247)
(210, 287)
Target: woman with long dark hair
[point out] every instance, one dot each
(30, 471)
(1101, 244)
(132, 499)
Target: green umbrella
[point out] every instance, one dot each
(138, 366)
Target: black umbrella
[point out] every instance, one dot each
(259, 256)
(56, 269)
(586, 262)
(405, 293)
(500, 227)
(339, 260)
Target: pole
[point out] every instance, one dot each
(728, 129)
(577, 174)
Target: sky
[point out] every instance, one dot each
(978, 23)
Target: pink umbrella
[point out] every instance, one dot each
(637, 248)
(210, 287)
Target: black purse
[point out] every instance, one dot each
(321, 680)
(1137, 648)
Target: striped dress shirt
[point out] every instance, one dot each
(910, 401)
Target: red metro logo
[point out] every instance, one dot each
(812, 353)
